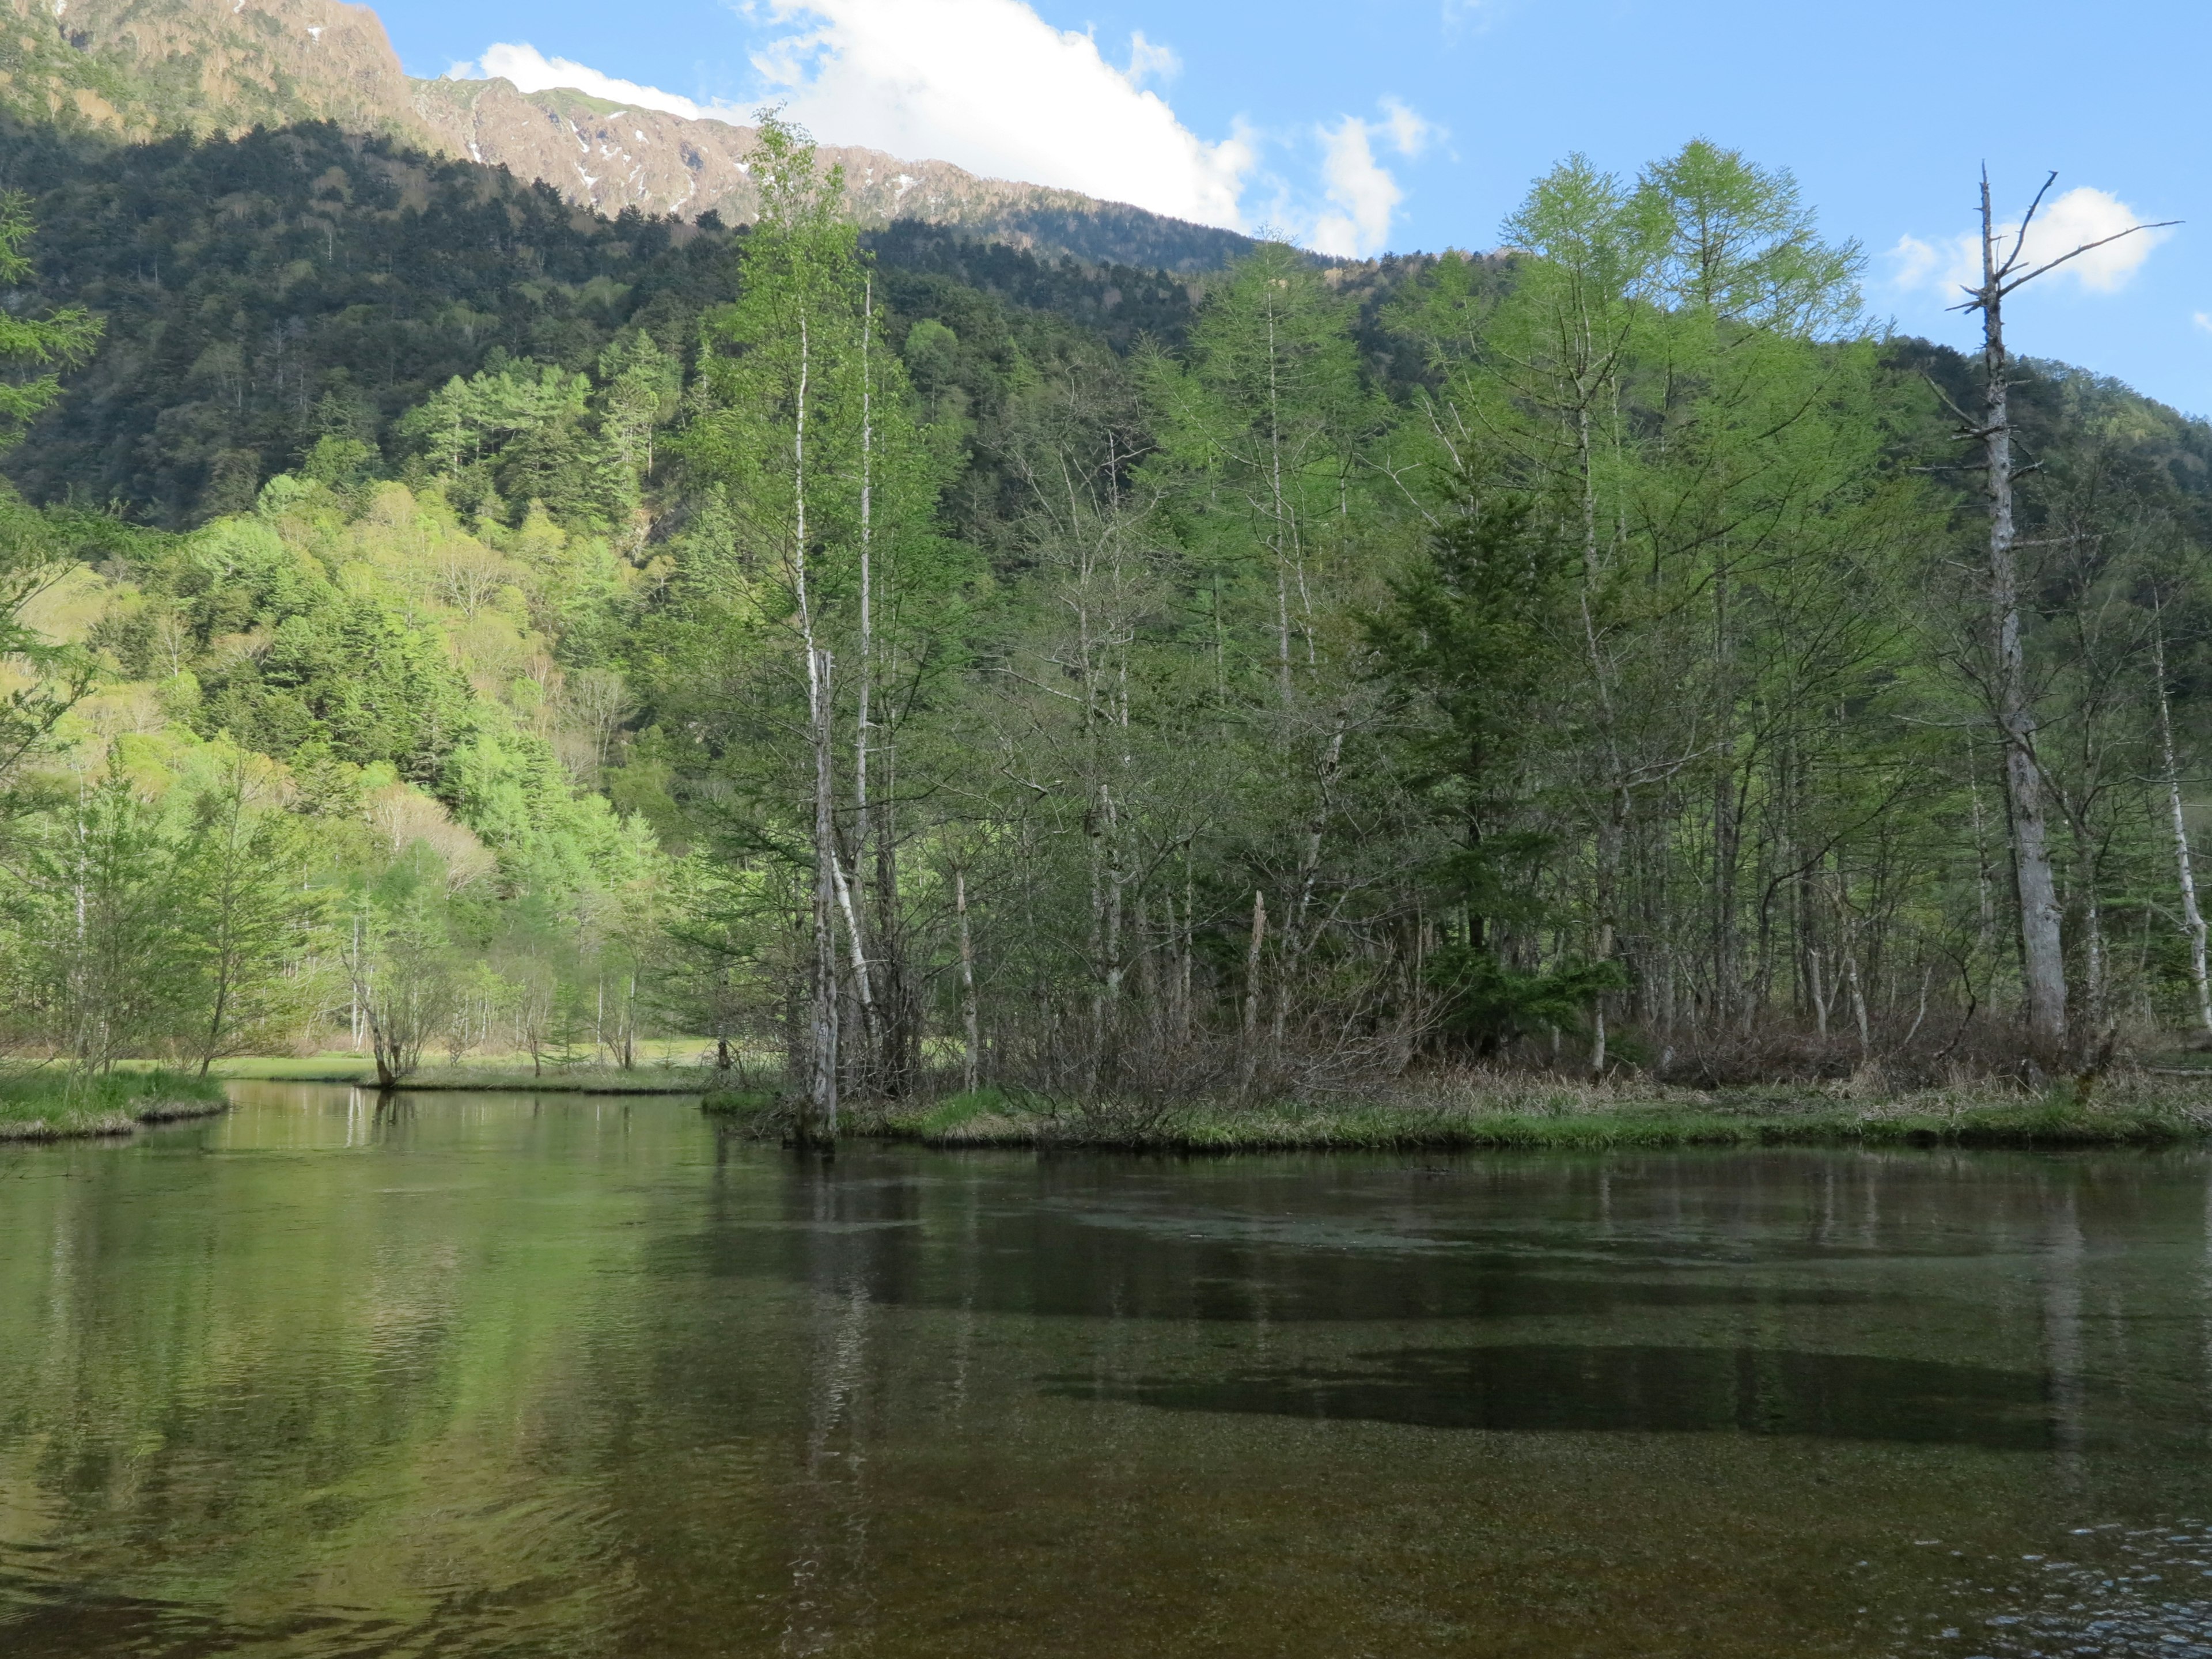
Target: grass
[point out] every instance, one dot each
(56, 1104)
(1487, 1112)
(667, 1076)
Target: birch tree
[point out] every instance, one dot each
(801, 421)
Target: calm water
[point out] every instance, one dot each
(504, 1374)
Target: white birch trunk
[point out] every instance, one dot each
(1252, 985)
(969, 1055)
(2192, 917)
(822, 1085)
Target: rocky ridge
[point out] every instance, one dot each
(140, 69)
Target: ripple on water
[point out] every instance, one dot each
(2115, 1593)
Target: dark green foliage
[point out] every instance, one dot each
(2059, 410)
(32, 350)
(1475, 632)
(1486, 1003)
(355, 676)
(1122, 302)
(248, 284)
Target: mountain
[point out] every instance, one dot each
(143, 68)
(136, 70)
(611, 156)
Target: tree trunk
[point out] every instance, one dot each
(1252, 985)
(1611, 836)
(1183, 952)
(875, 1059)
(969, 1056)
(2043, 959)
(1298, 937)
(2191, 916)
(870, 1027)
(900, 1011)
(820, 1121)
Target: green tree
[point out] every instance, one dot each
(98, 964)
(1259, 434)
(804, 431)
(32, 350)
(244, 909)
(406, 975)
(1477, 631)
(32, 559)
(638, 388)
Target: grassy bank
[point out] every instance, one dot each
(663, 1078)
(1508, 1113)
(54, 1105)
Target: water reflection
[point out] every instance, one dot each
(1648, 1390)
(478, 1375)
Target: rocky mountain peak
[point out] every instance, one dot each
(140, 69)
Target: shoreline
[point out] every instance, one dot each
(1758, 1120)
(107, 1123)
(1483, 1112)
(580, 1081)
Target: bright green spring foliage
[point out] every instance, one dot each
(356, 751)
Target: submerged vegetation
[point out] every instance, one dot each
(1177, 700)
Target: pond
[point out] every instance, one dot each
(516, 1375)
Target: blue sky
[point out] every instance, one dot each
(1417, 123)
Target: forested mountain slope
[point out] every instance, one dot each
(261, 292)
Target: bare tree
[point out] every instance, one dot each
(469, 576)
(598, 702)
(2042, 949)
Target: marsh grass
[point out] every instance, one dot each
(1475, 1110)
(53, 1104)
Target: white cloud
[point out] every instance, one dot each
(1917, 263)
(990, 86)
(532, 72)
(1410, 134)
(1150, 61)
(2204, 321)
(1363, 194)
(2082, 215)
